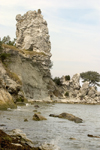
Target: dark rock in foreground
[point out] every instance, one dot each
(9, 143)
(69, 117)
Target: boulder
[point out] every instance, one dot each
(6, 100)
(38, 117)
(32, 32)
(69, 117)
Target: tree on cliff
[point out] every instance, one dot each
(6, 40)
(92, 77)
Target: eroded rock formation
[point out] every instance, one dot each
(32, 32)
(78, 94)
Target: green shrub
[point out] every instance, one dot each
(20, 100)
(57, 81)
(67, 77)
(6, 40)
(67, 94)
(4, 56)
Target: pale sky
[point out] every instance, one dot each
(74, 29)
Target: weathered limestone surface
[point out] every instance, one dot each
(84, 89)
(32, 32)
(75, 82)
(7, 87)
(33, 69)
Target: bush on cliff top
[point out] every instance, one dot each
(67, 77)
(57, 81)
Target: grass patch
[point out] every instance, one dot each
(24, 51)
(10, 47)
(33, 53)
(4, 56)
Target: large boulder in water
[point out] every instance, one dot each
(68, 116)
(38, 117)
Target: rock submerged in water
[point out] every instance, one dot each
(89, 135)
(38, 117)
(68, 116)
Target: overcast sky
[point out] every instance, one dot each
(74, 28)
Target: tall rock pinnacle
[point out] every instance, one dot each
(32, 32)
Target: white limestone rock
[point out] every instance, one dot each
(75, 82)
(32, 32)
(84, 89)
(92, 92)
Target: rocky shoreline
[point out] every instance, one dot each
(17, 140)
(66, 101)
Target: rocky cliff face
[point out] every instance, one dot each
(33, 69)
(26, 74)
(32, 32)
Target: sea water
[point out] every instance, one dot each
(63, 133)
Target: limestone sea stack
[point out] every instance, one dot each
(32, 32)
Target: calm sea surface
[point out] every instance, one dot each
(56, 130)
